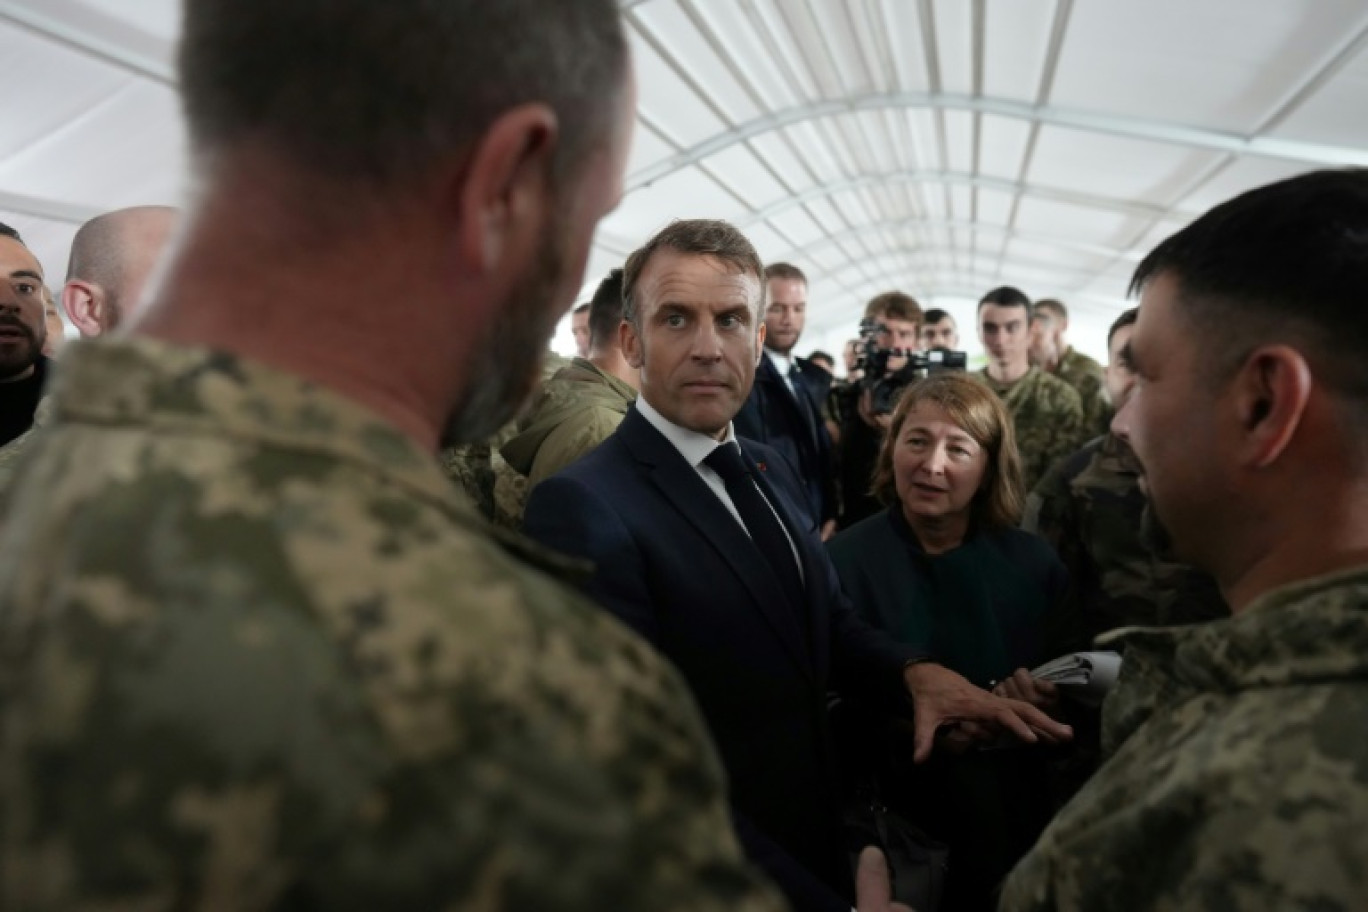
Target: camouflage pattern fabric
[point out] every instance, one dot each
(1047, 415)
(1086, 376)
(257, 653)
(10, 452)
(497, 489)
(1089, 507)
(577, 409)
(1236, 779)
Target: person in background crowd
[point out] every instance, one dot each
(824, 362)
(23, 332)
(1091, 510)
(945, 570)
(1052, 354)
(579, 325)
(899, 316)
(54, 326)
(701, 542)
(938, 330)
(112, 258)
(256, 652)
(581, 406)
(1047, 413)
(783, 410)
(1236, 749)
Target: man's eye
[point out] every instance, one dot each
(729, 321)
(674, 320)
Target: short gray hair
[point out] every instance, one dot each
(700, 237)
(377, 90)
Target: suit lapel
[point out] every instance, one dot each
(796, 400)
(680, 484)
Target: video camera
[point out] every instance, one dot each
(884, 385)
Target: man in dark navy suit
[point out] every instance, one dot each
(703, 544)
(782, 410)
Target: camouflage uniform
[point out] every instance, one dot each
(1089, 507)
(497, 489)
(257, 653)
(1048, 418)
(10, 452)
(577, 409)
(1087, 378)
(1236, 779)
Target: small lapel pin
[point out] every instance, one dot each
(761, 467)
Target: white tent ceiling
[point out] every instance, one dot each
(937, 146)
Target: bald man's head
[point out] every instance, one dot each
(112, 256)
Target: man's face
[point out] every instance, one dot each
(698, 340)
(900, 335)
(579, 325)
(1005, 334)
(510, 366)
(1045, 337)
(941, 334)
(785, 314)
(1172, 419)
(23, 327)
(1119, 378)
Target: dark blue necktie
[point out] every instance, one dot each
(760, 521)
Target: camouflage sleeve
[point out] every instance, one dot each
(572, 440)
(1063, 432)
(10, 453)
(457, 737)
(1254, 807)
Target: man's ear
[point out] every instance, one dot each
(760, 343)
(631, 344)
(503, 193)
(84, 304)
(1271, 392)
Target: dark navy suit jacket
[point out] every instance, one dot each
(791, 422)
(673, 563)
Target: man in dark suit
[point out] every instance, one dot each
(703, 544)
(782, 410)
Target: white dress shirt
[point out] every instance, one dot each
(784, 364)
(695, 448)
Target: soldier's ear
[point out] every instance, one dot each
(1271, 391)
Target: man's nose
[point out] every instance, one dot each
(1120, 423)
(707, 345)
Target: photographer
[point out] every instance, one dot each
(898, 317)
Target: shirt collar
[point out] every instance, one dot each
(782, 363)
(693, 446)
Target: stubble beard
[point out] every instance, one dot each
(508, 360)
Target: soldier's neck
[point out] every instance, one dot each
(1008, 373)
(612, 363)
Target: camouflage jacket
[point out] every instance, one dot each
(498, 490)
(10, 452)
(1089, 507)
(1048, 417)
(1236, 773)
(1087, 378)
(577, 409)
(257, 653)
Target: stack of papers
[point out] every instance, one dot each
(1084, 676)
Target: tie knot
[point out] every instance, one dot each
(726, 461)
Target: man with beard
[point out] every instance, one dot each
(784, 410)
(112, 257)
(1090, 508)
(1235, 776)
(23, 331)
(256, 651)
